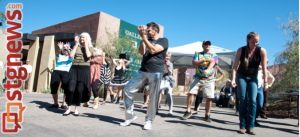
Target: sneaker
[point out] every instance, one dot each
(148, 125)
(103, 103)
(169, 114)
(186, 115)
(159, 106)
(196, 113)
(127, 122)
(207, 118)
(54, 106)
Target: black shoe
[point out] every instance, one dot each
(118, 100)
(76, 114)
(207, 118)
(196, 113)
(63, 107)
(54, 106)
(186, 115)
(159, 106)
(112, 99)
(256, 124)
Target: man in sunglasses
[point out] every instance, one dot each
(154, 51)
(204, 62)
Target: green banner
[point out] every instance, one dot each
(130, 30)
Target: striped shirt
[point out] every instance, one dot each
(95, 68)
(63, 63)
(105, 74)
(199, 69)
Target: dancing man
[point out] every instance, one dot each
(154, 52)
(204, 62)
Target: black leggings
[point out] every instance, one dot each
(96, 86)
(78, 92)
(199, 99)
(105, 91)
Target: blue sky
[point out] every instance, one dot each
(224, 23)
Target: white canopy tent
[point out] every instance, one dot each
(182, 56)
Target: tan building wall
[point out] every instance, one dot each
(46, 63)
(33, 57)
(88, 23)
(3, 53)
(107, 23)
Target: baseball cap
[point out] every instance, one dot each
(206, 42)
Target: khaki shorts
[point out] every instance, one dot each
(208, 88)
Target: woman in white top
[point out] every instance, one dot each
(261, 99)
(60, 73)
(119, 79)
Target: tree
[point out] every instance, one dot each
(288, 58)
(2, 17)
(116, 46)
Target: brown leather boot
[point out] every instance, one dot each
(97, 104)
(264, 116)
(86, 104)
(242, 131)
(251, 132)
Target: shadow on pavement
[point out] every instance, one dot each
(108, 119)
(282, 129)
(200, 124)
(88, 115)
(220, 112)
(277, 123)
(46, 106)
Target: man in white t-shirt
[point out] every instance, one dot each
(29, 70)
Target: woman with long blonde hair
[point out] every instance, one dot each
(80, 73)
(249, 56)
(119, 79)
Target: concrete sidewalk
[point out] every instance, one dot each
(39, 120)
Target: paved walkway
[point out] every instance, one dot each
(39, 120)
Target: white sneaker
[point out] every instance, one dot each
(148, 125)
(127, 122)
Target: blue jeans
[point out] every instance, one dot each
(247, 89)
(259, 101)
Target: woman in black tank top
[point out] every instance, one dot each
(245, 80)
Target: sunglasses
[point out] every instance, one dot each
(148, 30)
